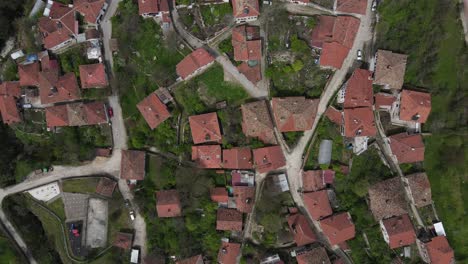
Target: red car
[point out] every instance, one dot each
(110, 111)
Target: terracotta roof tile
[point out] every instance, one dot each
(252, 73)
(59, 27)
(228, 219)
(93, 76)
(268, 159)
(76, 114)
(29, 74)
(237, 158)
(55, 89)
(256, 122)
(9, 110)
(229, 253)
(194, 61)
(359, 90)
(415, 106)
(152, 6)
(153, 110)
(312, 181)
(10, 89)
(300, 228)
(384, 100)
(390, 69)
(90, 9)
(359, 122)
(338, 228)
(294, 113)
(333, 55)
(207, 156)
(387, 199)
(317, 204)
(106, 187)
(345, 30)
(219, 195)
(245, 8)
(245, 198)
(168, 203)
(400, 231)
(198, 259)
(57, 116)
(334, 115)
(407, 148)
(205, 128)
(313, 256)
(133, 165)
(440, 251)
(352, 6)
(123, 240)
(420, 189)
(323, 31)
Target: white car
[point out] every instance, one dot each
(132, 215)
(359, 55)
(374, 6)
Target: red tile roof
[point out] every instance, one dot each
(387, 199)
(103, 152)
(47, 64)
(90, 9)
(207, 156)
(313, 256)
(245, 8)
(317, 204)
(229, 253)
(10, 89)
(205, 128)
(219, 195)
(359, 122)
(9, 110)
(29, 74)
(407, 148)
(133, 165)
(268, 159)
(106, 187)
(345, 30)
(245, 198)
(57, 116)
(194, 61)
(253, 74)
(359, 90)
(123, 240)
(59, 27)
(294, 113)
(256, 122)
(352, 6)
(384, 100)
(56, 89)
(152, 6)
(390, 69)
(333, 55)
(249, 50)
(76, 114)
(168, 203)
(334, 115)
(338, 228)
(237, 158)
(300, 228)
(312, 181)
(228, 219)
(328, 176)
(93, 76)
(400, 231)
(153, 110)
(440, 251)
(245, 32)
(420, 189)
(415, 106)
(198, 259)
(323, 31)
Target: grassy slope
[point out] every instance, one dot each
(430, 32)
(83, 185)
(7, 252)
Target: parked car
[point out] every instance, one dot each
(132, 215)
(374, 6)
(359, 55)
(110, 111)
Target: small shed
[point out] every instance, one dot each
(325, 152)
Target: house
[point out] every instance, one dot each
(56, 89)
(246, 43)
(268, 159)
(245, 198)
(164, 95)
(301, 230)
(398, 231)
(219, 195)
(322, 32)
(153, 111)
(294, 113)
(198, 259)
(257, 123)
(437, 251)
(93, 76)
(340, 29)
(390, 69)
(229, 253)
(10, 92)
(317, 204)
(419, 188)
(58, 26)
(359, 90)
(242, 178)
(76, 114)
(253, 73)
(106, 187)
(384, 101)
(237, 158)
(414, 106)
(228, 219)
(359, 122)
(387, 199)
(205, 128)
(351, 6)
(168, 203)
(123, 240)
(338, 228)
(334, 115)
(316, 255)
(47, 64)
(29, 74)
(132, 167)
(333, 55)
(153, 8)
(407, 148)
(91, 10)
(207, 156)
(194, 63)
(245, 10)
(312, 181)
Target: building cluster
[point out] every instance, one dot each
(156, 9)
(247, 45)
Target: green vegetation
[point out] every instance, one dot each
(80, 185)
(215, 14)
(10, 71)
(226, 46)
(292, 138)
(10, 149)
(9, 11)
(71, 59)
(57, 207)
(437, 60)
(113, 256)
(8, 253)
